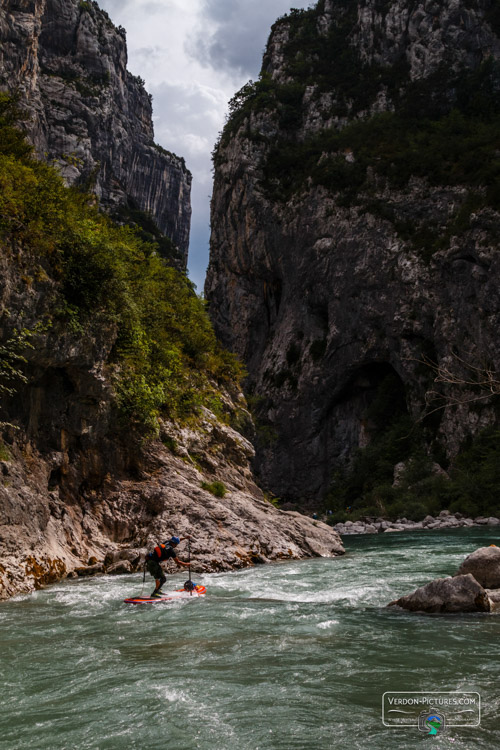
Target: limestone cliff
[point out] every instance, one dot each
(75, 484)
(111, 380)
(88, 114)
(355, 229)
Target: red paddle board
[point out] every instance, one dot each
(172, 596)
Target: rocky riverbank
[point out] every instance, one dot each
(44, 536)
(445, 520)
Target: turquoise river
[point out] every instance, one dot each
(293, 656)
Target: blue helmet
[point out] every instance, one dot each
(175, 540)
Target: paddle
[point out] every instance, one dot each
(189, 561)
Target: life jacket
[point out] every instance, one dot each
(160, 551)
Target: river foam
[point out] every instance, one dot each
(284, 657)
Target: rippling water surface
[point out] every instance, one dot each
(294, 656)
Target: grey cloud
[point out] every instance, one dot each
(148, 53)
(114, 5)
(239, 33)
(187, 105)
(154, 8)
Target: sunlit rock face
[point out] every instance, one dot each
(338, 262)
(88, 114)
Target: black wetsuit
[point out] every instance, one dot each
(160, 553)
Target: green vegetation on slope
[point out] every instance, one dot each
(460, 147)
(147, 230)
(455, 150)
(369, 487)
(165, 358)
(215, 488)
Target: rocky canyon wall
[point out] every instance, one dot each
(88, 114)
(354, 237)
(78, 485)
(85, 307)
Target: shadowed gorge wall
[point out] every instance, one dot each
(355, 228)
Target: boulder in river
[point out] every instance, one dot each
(494, 595)
(462, 593)
(119, 568)
(90, 570)
(484, 565)
(428, 520)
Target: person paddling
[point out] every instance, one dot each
(161, 552)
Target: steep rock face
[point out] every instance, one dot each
(335, 268)
(76, 485)
(87, 113)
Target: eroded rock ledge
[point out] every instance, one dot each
(44, 537)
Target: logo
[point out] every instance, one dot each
(431, 711)
(431, 722)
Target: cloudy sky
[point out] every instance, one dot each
(194, 55)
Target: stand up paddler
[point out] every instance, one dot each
(162, 552)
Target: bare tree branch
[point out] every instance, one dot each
(462, 374)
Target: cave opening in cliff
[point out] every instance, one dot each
(382, 390)
(372, 433)
(54, 479)
(369, 415)
(374, 397)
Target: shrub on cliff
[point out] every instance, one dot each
(215, 488)
(165, 357)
